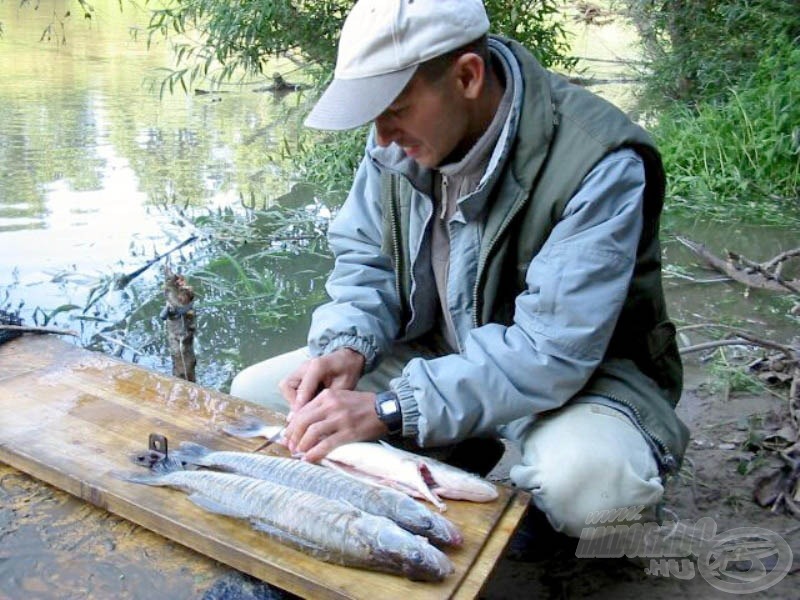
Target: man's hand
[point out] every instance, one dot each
(339, 370)
(333, 418)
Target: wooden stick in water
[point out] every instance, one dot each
(180, 324)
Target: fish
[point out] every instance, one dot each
(416, 475)
(451, 482)
(327, 529)
(407, 513)
(377, 463)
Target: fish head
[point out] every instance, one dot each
(148, 458)
(419, 559)
(443, 531)
(157, 461)
(419, 519)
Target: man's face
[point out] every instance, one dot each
(428, 120)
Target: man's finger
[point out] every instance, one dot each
(325, 445)
(313, 434)
(288, 387)
(308, 387)
(302, 418)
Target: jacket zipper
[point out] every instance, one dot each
(395, 233)
(481, 267)
(667, 459)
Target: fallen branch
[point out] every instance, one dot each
(762, 270)
(775, 262)
(180, 324)
(120, 345)
(746, 338)
(751, 274)
(123, 280)
(32, 329)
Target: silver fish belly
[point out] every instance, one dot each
(406, 512)
(327, 529)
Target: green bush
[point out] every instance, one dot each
(739, 157)
(698, 50)
(233, 40)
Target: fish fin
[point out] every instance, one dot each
(210, 505)
(486, 493)
(356, 474)
(294, 541)
(191, 453)
(251, 427)
(439, 477)
(146, 478)
(420, 491)
(455, 483)
(425, 477)
(429, 494)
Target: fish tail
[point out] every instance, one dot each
(191, 453)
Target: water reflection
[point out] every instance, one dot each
(98, 175)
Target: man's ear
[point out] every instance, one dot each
(470, 73)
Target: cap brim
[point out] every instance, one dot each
(349, 103)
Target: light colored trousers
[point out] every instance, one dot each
(575, 461)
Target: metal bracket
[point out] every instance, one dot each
(157, 443)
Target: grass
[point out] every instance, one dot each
(739, 158)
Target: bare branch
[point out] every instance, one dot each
(761, 279)
(31, 329)
(772, 263)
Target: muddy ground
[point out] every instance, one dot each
(53, 545)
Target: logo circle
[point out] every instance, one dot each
(746, 546)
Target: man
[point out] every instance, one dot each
(497, 268)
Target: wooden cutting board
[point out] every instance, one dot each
(73, 418)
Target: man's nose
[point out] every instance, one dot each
(384, 130)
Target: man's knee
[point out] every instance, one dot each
(587, 460)
(572, 488)
(258, 383)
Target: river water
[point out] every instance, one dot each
(100, 174)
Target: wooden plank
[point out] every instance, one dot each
(496, 542)
(73, 418)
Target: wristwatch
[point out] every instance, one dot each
(387, 406)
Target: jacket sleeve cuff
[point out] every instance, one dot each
(356, 343)
(408, 406)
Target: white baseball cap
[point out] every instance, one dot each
(381, 44)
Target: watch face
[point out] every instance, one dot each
(388, 407)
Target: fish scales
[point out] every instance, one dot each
(398, 507)
(328, 529)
